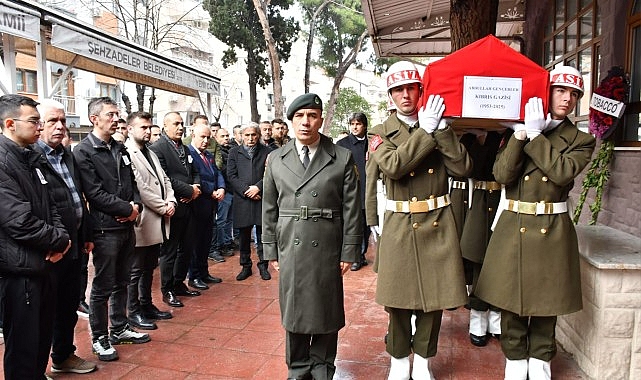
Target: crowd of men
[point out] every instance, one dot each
(479, 208)
(133, 195)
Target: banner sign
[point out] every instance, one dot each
(122, 57)
(18, 23)
(607, 105)
(491, 97)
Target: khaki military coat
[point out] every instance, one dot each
(310, 249)
(476, 232)
(419, 259)
(531, 266)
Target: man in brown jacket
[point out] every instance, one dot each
(531, 267)
(419, 263)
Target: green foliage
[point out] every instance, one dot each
(339, 27)
(596, 177)
(381, 64)
(348, 102)
(236, 23)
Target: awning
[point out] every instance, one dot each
(410, 28)
(71, 42)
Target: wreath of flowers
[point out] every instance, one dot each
(614, 86)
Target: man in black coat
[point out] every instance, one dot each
(33, 240)
(176, 252)
(64, 177)
(356, 142)
(245, 170)
(109, 186)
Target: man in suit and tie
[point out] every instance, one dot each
(212, 186)
(312, 234)
(175, 253)
(152, 228)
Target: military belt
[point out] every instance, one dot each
(416, 206)
(304, 212)
(459, 185)
(536, 208)
(487, 185)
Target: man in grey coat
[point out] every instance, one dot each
(311, 235)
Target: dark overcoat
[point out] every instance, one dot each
(310, 250)
(419, 257)
(244, 171)
(178, 165)
(531, 266)
(476, 229)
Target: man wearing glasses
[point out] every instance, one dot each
(33, 239)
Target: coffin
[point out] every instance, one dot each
(485, 83)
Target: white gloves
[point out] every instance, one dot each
(535, 118)
(429, 116)
(375, 232)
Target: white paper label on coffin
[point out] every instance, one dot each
(607, 105)
(492, 97)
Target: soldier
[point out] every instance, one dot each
(312, 234)
(531, 269)
(419, 260)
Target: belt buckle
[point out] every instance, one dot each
(399, 206)
(303, 212)
(527, 208)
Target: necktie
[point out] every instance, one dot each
(305, 156)
(202, 155)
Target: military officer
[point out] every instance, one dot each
(311, 235)
(531, 267)
(419, 259)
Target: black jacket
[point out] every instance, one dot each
(243, 172)
(30, 226)
(179, 169)
(79, 230)
(108, 182)
(359, 151)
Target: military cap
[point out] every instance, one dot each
(304, 101)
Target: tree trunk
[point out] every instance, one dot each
(340, 74)
(471, 20)
(140, 96)
(253, 82)
(274, 59)
(310, 42)
(152, 99)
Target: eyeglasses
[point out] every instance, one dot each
(36, 122)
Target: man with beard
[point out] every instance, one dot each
(152, 228)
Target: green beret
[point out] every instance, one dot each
(304, 101)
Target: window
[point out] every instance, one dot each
(27, 81)
(109, 90)
(631, 134)
(572, 37)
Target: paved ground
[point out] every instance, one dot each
(233, 331)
